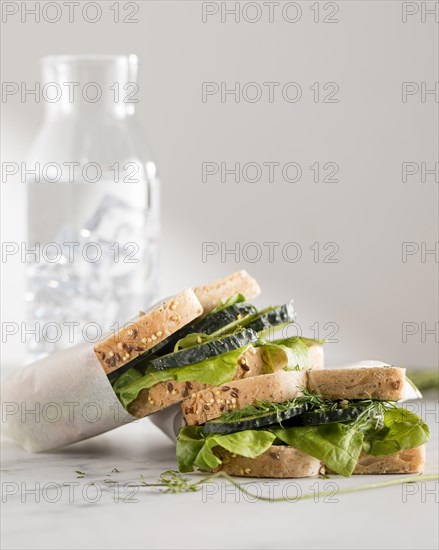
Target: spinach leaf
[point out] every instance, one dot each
(401, 429)
(336, 445)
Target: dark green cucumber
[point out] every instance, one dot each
(206, 325)
(252, 422)
(189, 356)
(209, 324)
(314, 418)
(278, 316)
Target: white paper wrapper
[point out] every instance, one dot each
(169, 420)
(63, 398)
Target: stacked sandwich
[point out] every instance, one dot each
(341, 420)
(255, 405)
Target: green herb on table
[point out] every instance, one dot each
(174, 482)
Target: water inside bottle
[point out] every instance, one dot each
(95, 260)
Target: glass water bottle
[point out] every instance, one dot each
(93, 204)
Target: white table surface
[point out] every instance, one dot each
(392, 517)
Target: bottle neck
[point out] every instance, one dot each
(90, 86)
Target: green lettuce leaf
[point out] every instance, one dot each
(189, 444)
(336, 445)
(402, 429)
(196, 449)
(126, 378)
(248, 443)
(234, 299)
(191, 340)
(127, 393)
(215, 370)
(294, 352)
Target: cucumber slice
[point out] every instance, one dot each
(207, 325)
(314, 418)
(252, 422)
(278, 316)
(202, 352)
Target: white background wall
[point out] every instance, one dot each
(370, 132)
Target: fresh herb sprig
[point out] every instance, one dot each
(370, 410)
(260, 408)
(173, 482)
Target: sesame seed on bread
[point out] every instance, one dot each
(162, 395)
(147, 330)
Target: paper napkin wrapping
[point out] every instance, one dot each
(63, 398)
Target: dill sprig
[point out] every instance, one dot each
(373, 413)
(369, 409)
(262, 408)
(174, 482)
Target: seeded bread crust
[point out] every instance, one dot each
(211, 403)
(162, 395)
(382, 383)
(409, 461)
(148, 330)
(165, 394)
(280, 461)
(214, 293)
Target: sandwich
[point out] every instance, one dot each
(204, 337)
(254, 404)
(343, 421)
